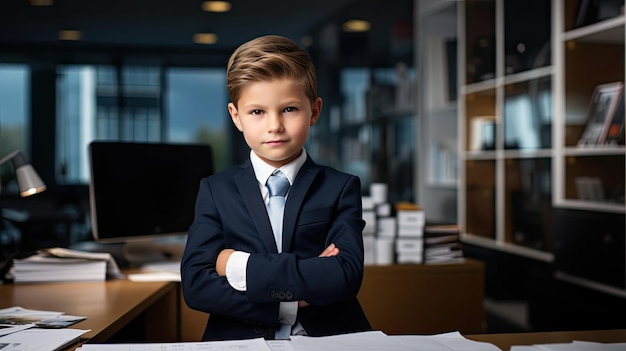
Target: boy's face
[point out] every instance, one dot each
(275, 117)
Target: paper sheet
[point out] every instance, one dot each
(40, 339)
(572, 346)
(234, 345)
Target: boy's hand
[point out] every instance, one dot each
(330, 251)
(222, 258)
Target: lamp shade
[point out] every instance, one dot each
(28, 181)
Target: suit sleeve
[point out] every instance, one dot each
(318, 280)
(203, 289)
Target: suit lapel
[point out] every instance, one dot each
(249, 190)
(295, 200)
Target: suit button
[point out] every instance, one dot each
(259, 330)
(289, 295)
(274, 295)
(281, 295)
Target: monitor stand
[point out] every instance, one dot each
(141, 252)
(136, 253)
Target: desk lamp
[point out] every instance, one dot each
(28, 180)
(29, 183)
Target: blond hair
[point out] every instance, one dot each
(266, 58)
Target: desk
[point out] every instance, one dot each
(114, 306)
(109, 307)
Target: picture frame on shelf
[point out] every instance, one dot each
(615, 134)
(589, 188)
(602, 108)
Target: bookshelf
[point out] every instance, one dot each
(505, 115)
(589, 54)
(524, 96)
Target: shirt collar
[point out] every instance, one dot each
(263, 170)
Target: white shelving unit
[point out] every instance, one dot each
(504, 108)
(438, 156)
(535, 100)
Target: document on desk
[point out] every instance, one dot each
(573, 346)
(258, 344)
(14, 318)
(40, 339)
(379, 341)
(364, 341)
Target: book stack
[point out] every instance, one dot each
(380, 227)
(409, 244)
(63, 265)
(442, 244)
(369, 231)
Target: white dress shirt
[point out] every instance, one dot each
(238, 260)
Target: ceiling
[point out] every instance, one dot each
(170, 24)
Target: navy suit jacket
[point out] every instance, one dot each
(323, 207)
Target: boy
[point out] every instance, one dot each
(232, 266)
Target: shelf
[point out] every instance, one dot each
(478, 87)
(442, 184)
(514, 249)
(529, 75)
(600, 150)
(592, 206)
(610, 31)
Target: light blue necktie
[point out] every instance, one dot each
(278, 185)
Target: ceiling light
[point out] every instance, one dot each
(41, 2)
(69, 34)
(356, 26)
(306, 41)
(205, 38)
(216, 6)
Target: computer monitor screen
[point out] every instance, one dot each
(144, 191)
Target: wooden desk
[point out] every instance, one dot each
(153, 310)
(506, 340)
(425, 298)
(109, 306)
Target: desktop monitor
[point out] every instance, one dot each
(142, 195)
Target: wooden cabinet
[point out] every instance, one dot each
(405, 299)
(424, 298)
(192, 322)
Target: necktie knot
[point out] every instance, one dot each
(278, 184)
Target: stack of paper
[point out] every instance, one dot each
(63, 265)
(442, 244)
(40, 339)
(24, 329)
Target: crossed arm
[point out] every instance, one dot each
(222, 259)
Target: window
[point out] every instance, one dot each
(14, 112)
(197, 110)
(189, 106)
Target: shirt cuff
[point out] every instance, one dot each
(288, 312)
(236, 270)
